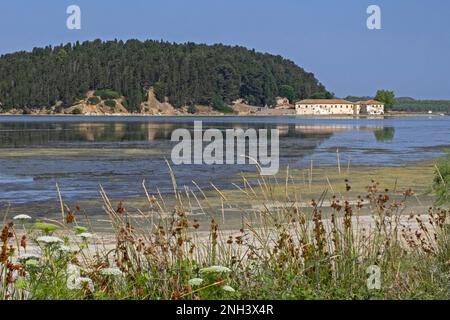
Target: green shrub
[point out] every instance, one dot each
(160, 91)
(76, 111)
(79, 98)
(441, 182)
(107, 94)
(220, 106)
(94, 101)
(110, 103)
(192, 109)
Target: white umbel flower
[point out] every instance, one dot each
(111, 272)
(86, 235)
(215, 269)
(67, 249)
(228, 289)
(84, 283)
(28, 256)
(22, 217)
(75, 281)
(50, 240)
(73, 273)
(195, 282)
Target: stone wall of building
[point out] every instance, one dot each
(338, 107)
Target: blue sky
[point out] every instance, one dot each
(411, 54)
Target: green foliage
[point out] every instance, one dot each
(110, 103)
(185, 73)
(441, 182)
(220, 106)
(107, 94)
(387, 97)
(356, 98)
(45, 227)
(80, 229)
(412, 105)
(322, 95)
(287, 91)
(76, 111)
(192, 109)
(80, 98)
(407, 104)
(94, 101)
(160, 90)
(62, 55)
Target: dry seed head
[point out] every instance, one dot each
(70, 217)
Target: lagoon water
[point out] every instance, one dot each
(81, 153)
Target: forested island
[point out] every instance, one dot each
(123, 72)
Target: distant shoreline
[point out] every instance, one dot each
(400, 114)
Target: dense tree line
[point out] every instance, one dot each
(412, 105)
(407, 104)
(186, 74)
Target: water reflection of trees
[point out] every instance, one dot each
(385, 134)
(24, 134)
(48, 134)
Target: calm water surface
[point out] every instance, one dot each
(80, 153)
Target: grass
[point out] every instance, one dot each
(287, 251)
(441, 181)
(311, 182)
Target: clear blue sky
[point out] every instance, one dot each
(411, 54)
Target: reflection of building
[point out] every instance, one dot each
(371, 107)
(325, 107)
(338, 107)
(306, 130)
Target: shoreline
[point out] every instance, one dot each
(409, 114)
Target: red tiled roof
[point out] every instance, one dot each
(324, 101)
(369, 102)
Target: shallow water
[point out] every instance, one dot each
(80, 153)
